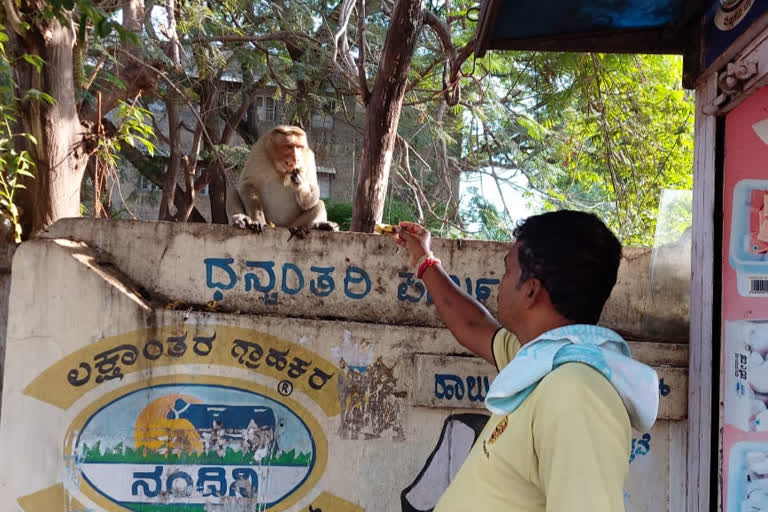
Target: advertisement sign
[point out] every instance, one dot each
(166, 420)
(725, 22)
(744, 360)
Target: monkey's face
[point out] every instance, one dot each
(288, 153)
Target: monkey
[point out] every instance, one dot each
(278, 186)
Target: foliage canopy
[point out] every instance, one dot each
(597, 132)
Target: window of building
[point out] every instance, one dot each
(267, 108)
(147, 186)
(324, 119)
(324, 182)
(325, 177)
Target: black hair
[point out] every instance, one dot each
(576, 258)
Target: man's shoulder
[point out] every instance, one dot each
(504, 347)
(577, 388)
(577, 383)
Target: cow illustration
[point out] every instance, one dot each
(241, 427)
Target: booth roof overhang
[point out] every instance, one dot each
(610, 26)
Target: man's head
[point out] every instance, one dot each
(563, 264)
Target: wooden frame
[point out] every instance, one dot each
(739, 46)
(752, 46)
(701, 355)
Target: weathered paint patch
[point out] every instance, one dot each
(327, 502)
(53, 499)
(370, 402)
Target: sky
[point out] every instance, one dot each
(519, 207)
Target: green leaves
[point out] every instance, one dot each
(16, 164)
(62, 4)
(35, 60)
(535, 130)
(40, 96)
(604, 133)
(114, 80)
(133, 129)
(484, 220)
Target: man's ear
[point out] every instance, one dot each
(533, 291)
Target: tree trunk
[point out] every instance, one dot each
(217, 188)
(60, 154)
(217, 191)
(133, 21)
(174, 162)
(172, 108)
(137, 78)
(383, 114)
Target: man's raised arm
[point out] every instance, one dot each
(468, 320)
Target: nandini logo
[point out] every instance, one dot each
(186, 441)
(194, 445)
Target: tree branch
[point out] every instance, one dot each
(443, 156)
(411, 181)
(152, 170)
(414, 185)
(286, 37)
(13, 17)
(454, 60)
(364, 91)
(608, 152)
(340, 44)
(95, 72)
(441, 31)
(138, 81)
(231, 124)
(174, 120)
(171, 84)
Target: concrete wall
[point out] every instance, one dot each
(341, 277)
(6, 255)
(325, 345)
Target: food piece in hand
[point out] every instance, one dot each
(385, 228)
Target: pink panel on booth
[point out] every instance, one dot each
(744, 363)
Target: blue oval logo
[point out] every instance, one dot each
(195, 445)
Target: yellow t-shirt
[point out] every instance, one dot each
(565, 448)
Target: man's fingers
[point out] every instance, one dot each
(404, 235)
(410, 227)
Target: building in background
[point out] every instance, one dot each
(332, 135)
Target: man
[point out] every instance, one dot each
(567, 391)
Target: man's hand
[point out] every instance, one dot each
(467, 319)
(415, 238)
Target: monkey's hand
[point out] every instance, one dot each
(296, 177)
(325, 226)
(304, 231)
(243, 221)
(300, 232)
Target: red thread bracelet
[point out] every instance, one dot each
(428, 262)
